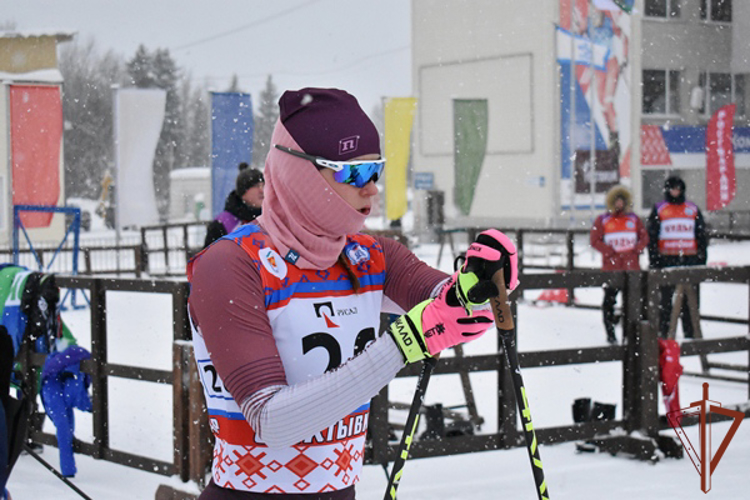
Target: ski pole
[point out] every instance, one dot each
(410, 428)
(507, 331)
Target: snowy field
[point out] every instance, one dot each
(141, 412)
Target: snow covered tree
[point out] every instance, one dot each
(140, 69)
(234, 85)
(87, 111)
(265, 120)
(193, 146)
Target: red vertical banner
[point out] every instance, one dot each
(36, 128)
(721, 182)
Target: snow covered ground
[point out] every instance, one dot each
(141, 412)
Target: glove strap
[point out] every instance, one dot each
(465, 281)
(407, 332)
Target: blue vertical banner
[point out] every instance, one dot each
(231, 142)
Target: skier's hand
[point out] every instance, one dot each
(491, 252)
(460, 312)
(439, 323)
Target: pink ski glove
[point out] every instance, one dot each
(460, 312)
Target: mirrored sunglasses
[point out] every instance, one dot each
(355, 173)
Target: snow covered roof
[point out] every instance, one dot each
(61, 36)
(191, 173)
(51, 75)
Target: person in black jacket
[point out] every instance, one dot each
(243, 204)
(677, 237)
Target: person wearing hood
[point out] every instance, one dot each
(286, 310)
(620, 236)
(243, 204)
(678, 237)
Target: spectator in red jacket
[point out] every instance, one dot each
(620, 236)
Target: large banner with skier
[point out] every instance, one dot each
(593, 40)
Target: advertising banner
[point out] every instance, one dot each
(231, 142)
(399, 117)
(139, 117)
(36, 128)
(721, 183)
(470, 119)
(593, 39)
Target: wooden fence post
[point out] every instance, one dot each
(201, 440)
(570, 262)
(138, 259)
(100, 383)
(181, 412)
(166, 248)
(182, 360)
(647, 346)
(87, 260)
(378, 427)
(631, 318)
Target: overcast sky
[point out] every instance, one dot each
(362, 46)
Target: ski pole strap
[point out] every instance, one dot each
(410, 428)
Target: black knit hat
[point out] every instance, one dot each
(674, 182)
(247, 178)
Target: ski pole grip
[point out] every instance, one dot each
(500, 303)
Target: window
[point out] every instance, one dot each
(663, 8)
(661, 94)
(720, 89)
(717, 10)
(738, 95)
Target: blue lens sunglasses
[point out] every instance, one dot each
(355, 173)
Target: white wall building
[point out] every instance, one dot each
(190, 194)
(517, 59)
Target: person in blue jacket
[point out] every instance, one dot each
(65, 387)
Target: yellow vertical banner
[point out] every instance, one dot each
(399, 116)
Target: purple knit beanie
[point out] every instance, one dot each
(328, 123)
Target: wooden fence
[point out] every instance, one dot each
(101, 370)
(638, 358)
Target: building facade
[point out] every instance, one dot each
(508, 91)
(31, 130)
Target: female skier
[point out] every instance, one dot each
(285, 311)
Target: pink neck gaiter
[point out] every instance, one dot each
(300, 210)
